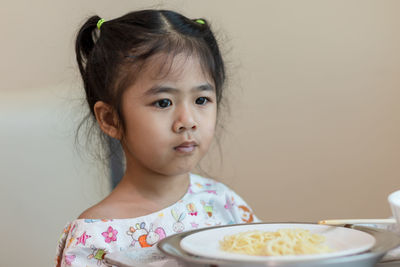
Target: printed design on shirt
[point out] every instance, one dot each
(209, 188)
(72, 239)
(206, 187)
(60, 246)
(153, 236)
(194, 225)
(246, 214)
(229, 202)
(192, 211)
(141, 237)
(97, 254)
(82, 239)
(69, 259)
(97, 220)
(67, 229)
(190, 191)
(178, 225)
(208, 208)
(110, 235)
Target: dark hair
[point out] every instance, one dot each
(110, 58)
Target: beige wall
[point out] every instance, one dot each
(313, 130)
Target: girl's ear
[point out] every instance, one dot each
(107, 119)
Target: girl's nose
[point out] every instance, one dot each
(184, 121)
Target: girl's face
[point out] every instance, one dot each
(169, 116)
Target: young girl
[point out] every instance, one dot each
(153, 80)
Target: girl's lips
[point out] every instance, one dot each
(186, 147)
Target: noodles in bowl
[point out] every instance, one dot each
(280, 243)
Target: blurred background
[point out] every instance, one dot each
(312, 131)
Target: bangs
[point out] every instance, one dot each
(166, 49)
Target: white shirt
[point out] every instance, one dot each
(207, 203)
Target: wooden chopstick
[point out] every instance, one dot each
(356, 221)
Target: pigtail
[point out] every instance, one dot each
(85, 42)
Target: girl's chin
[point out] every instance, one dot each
(178, 170)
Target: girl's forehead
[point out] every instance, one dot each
(174, 68)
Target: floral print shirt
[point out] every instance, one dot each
(85, 242)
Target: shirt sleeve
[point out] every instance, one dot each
(73, 250)
(61, 244)
(240, 210)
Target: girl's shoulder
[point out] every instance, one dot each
(116, 206)
(100, 210)
(106, 209)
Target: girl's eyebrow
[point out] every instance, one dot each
(204, 87)
(158, 89)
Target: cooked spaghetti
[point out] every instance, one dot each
(279, 243)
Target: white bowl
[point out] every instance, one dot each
(394, 201)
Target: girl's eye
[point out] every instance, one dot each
(163, 103)
(201, 100)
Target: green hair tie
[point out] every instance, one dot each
(200, 21)
(99, 23)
